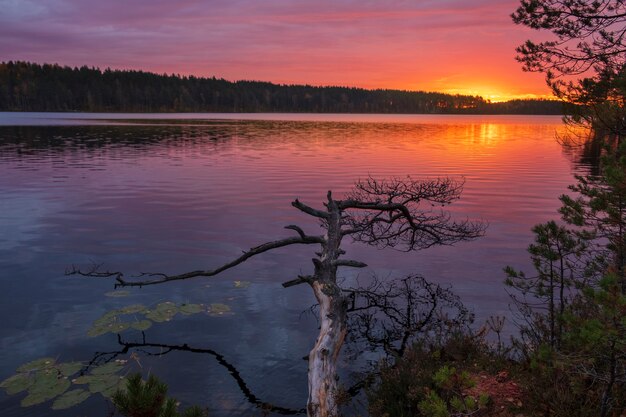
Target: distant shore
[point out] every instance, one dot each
(26, 86)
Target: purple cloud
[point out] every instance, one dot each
(363, 43)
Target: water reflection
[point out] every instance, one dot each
(384, 318)
(129, 349)
(176, 197)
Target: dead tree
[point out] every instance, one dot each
(405, 214)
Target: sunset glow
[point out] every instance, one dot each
(452, 46)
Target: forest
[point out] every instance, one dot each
(26, 86)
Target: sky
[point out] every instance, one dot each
(451, 46)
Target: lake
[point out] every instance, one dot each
(172, 193)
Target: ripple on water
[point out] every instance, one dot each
(175, 197)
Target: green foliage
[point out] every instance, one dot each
(432, 381)
(586, 374)
(448, 395)
(149, 399)
(573, 333)
(599, 210)
(558, 255)
(433, 406)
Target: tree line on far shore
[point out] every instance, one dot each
(26, 86)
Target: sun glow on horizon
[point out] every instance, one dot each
(497, 96)
(454, 47)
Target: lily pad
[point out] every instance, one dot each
(119, 327)
(141, 325)
(113, 322)
(165, 305)
(17, 383)
(108, 392)
(157, 316)
(111, 327)
(188, 309)
(69, 368)
(45, 389)
(108, 368)
(163, 312)
(37, 364)
(83, 379)
(70, 399)
(109, 316)
(119, 293)
(132, 309)
(217, 309)
(45, 378)
(98, 331)
(103, 383)
(242, 284)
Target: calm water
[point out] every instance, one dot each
(179, 192)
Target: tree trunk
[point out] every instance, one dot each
(322, 400)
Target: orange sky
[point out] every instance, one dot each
(453, 46)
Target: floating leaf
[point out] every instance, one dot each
(108, 392)
(217, 309)
(111, 322)
(17, 383)
(44, 389)
(141, 325)
(163, 312)
(188, 309)
(84, 379)
(102, 383)
(242, 284)
(119, 327)
(108, 368)
(165, 305)
(98, 331)
(45, 379)
(132, 309)
(107, 318)
(37, 364)
(70, 399)
(120, 293)
(33, 399)
(69, 368)
(105, 324)
(156, 316)
(106, 328)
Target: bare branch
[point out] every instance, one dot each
(310, 210)
(302, 279)
(391, 213)
(297, 229)
(347, 262)
(93, 272)
(163, 278)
